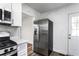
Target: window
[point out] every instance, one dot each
(75, 26)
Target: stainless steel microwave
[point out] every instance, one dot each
(5, 17)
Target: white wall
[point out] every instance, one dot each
(60, 19)
(27, 28)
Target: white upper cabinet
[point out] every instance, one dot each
(17, 14)
(7, 6)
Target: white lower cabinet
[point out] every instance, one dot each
(22, 49)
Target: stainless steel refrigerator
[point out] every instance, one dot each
(43, 36)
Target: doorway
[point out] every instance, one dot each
(27, 31)
(27, 28)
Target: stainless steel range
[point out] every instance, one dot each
(7, 46)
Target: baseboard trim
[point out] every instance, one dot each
(60, 53)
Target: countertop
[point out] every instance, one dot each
(20, 41)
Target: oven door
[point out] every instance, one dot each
(12, 53)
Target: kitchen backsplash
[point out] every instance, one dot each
(14, 31)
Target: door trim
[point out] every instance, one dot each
(67, 37)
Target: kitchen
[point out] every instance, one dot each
(12, 29)
(17, 28)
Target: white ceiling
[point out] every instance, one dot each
(46, 7)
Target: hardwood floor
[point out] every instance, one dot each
(52, 54)
(31, 53)
(29, 49)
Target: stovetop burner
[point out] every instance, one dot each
(7, 46)
(7, 43)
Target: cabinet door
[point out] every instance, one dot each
(7, 6)
(17, 14)
(22, 49)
